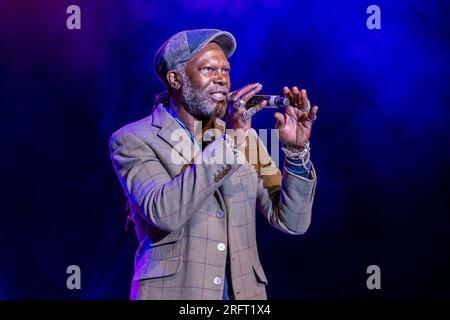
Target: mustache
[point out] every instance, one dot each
(216, 88)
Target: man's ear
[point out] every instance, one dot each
(174, 79)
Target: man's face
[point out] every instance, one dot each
(206, 82)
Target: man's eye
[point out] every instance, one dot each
(226, 70)
(208, 69)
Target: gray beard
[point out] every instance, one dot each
(198, 103)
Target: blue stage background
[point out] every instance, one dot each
(380, 144)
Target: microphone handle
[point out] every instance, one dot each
(272, 101)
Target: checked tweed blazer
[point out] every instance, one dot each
(188, 216)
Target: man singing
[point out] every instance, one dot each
(192, 194)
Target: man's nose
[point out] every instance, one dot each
(220, 78)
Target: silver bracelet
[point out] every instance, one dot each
(303, 155)
(230, 144)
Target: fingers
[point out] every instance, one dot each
(312, 115)
(296, 97)
(300, 100)
(288, 94)
(281, 121)
(260, 106)
(257, 107)
(250, 93)
(239, 98)
(246, 114)
(239, 92)
(247, 91)
(304, 100)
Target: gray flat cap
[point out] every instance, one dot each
(185, 44)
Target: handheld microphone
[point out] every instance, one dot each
(272, 101)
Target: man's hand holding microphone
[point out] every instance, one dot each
(294, 125)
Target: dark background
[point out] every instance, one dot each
(380, 144)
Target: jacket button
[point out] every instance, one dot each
(219, 214)
(221, 246)
(217, 281)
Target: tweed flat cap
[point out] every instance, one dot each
(184, 45)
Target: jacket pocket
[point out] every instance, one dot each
(160, 259)
(259, 274)
(153, 269)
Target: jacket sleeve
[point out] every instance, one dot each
(165, 202)
(285, 200)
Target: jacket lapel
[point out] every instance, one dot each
(182, 141)
(177, 137)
